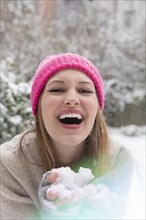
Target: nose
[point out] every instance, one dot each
(71, 99)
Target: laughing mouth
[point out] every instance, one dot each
(71, 119)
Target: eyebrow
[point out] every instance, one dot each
(62, 82)
(85, 82)
(55, 81)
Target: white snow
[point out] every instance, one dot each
(70, 188)
(136, 144)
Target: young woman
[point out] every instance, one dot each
(67, 100)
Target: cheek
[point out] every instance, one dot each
(47, 104)
(93, 107)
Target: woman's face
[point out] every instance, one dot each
(69, 106)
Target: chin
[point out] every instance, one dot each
(73, 141)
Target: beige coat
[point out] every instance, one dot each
(20, 178)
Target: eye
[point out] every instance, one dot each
(56, 90)
(85, 91)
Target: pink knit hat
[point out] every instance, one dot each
(52, 64)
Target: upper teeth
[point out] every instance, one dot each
(70, 115)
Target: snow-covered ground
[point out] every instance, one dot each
(133, 138)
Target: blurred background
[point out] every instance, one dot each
(111, 33)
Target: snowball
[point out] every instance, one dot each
(66, 176)
(83, 177)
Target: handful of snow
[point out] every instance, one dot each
(69, 190)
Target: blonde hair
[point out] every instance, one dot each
(95, 151)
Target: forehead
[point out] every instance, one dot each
(70, 74)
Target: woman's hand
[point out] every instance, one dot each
(52, 177)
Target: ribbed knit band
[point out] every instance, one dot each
(52, 64)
